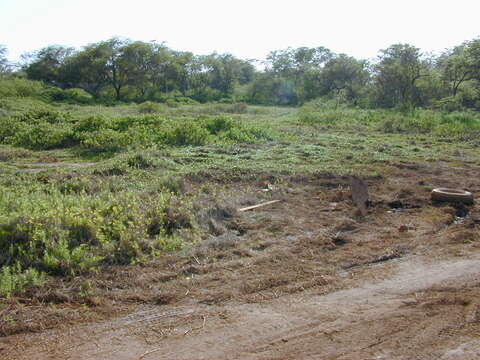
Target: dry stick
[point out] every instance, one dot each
(329, 209)
(149, 352)
(198, 262)
(259, 205)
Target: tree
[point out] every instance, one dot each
(473, 50)
(291, 61)
(138, 62)
(87, 70)
(266, 89)
(4, 64)
(97, 66)
(457, 67)
(116, 64)
(397, 72)
(47, 64)
(346, 74)
(300, 68)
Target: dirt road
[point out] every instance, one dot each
(417, 310)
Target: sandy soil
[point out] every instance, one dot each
(306, 278)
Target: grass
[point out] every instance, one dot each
(459, 125)
(83, 187)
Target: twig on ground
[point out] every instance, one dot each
(198, 262)
(259, 205)
(148, 353)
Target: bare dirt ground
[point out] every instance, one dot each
(306, 278)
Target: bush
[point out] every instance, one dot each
(149, 107)
(181, 133)
(17, 87)
(13, 279)
(43, 137)
(105, 140)
(70, 96)
(43, 116)
(141, 161)
(464, 125)
(246, 134)
(218, 124)
(238, 108)
(66, 234)
(185, 100)
(171, 103)
(450, 103)
(45, 129)
(91, 123)
(8, 127)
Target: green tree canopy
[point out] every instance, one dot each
(4, 64)
(396, 74)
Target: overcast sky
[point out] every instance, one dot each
(244, 28)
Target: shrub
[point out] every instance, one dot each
(43, 137)
(13, 279)
(238, 108)
(105, 140)
(57, 233)
(218, 124)
(149, 107)
(246, 134)
(171, 103)
(185, 100)
(38, 116)
(140, 161)
(8, 127)
(70, 96)
(79, 96)
(91, 123)
(17, 87)
(186, 132)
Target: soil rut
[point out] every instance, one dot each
(370, 321)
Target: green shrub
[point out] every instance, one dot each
(105, 140)
(13, 279)
(141, 161)
(8, 127)
(238, 108)
(67, 234)
(465, 125)
(181, 133)
(70, 96)
(149, 107)
(185, 100)
(43, 137)
(39, 116)
(247, 134)
(17, 87)
(171, 103)
(218, 124)
(91, 123)
(393, 124)
(79, 96)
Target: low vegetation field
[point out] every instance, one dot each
(108, 210)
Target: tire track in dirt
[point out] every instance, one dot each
(370, 321)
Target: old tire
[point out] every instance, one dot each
(452, 195)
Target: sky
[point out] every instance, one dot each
(248, 29)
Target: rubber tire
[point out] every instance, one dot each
(452, 195)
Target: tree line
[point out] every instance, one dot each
(402, 76)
